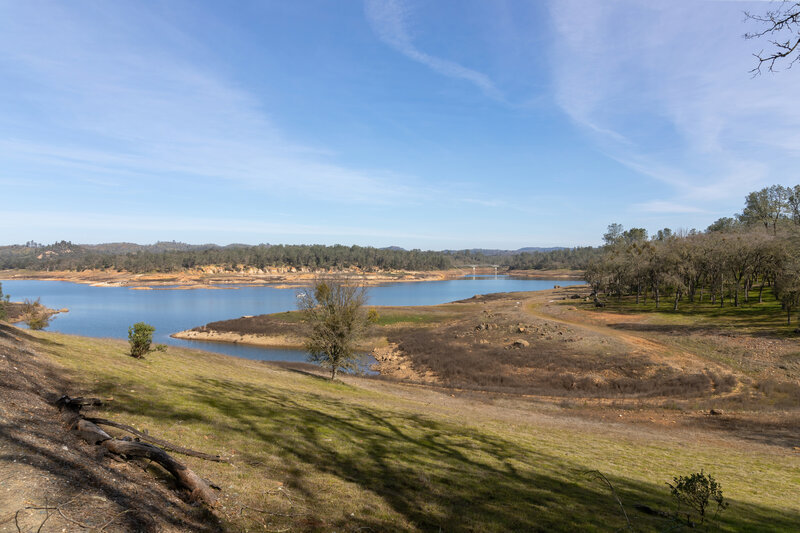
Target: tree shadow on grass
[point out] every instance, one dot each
(18, 334)
(435, 474)
(86, 474)
(32, 433)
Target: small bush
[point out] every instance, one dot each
(373, 316)
(696, 492)
(140, 337)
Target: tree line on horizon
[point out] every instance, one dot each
(775, 210)
(175, 257)
(735, 256)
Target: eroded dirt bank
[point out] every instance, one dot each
(280, 277)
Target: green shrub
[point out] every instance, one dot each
(140, 337)
(696, 492)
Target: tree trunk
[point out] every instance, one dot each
(761, 293)
(91, 433)
(333, 372)
(638, 292)
(159, 442)
(736, 295)
(677, 297)
(656, 295)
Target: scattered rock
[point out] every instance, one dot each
(716, 412)
(521, 343)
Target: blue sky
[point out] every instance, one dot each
(427, 125)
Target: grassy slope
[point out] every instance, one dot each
(352, 458)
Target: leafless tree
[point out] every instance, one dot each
(781, 28)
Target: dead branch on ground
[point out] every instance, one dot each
(91, 433)
(160, 442)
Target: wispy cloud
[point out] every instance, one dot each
(389, 21)
(201, 228)
(663, 87)
(112, 102)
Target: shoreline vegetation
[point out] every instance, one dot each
(17, 311)
(175, 258)
(277, 277)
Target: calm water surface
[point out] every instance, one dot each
(109, 311)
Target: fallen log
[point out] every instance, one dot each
(80, 401)
(93, 434)
(161, 442)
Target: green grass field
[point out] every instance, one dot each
(355, 459)
(750, 316)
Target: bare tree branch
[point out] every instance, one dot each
(782, 25)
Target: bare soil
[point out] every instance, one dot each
(50, 480)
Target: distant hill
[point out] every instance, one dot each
(130, 247)
(493, 252)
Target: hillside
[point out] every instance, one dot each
(365, 454)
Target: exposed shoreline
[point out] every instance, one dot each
(16, 314)
(264, 341)
(281, 278)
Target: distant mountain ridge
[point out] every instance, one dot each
(176, 246)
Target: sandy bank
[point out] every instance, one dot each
(214, 278)
(265, 341)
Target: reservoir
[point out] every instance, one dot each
(109, 311)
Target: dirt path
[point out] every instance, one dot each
(666, 354)
(641, 426)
